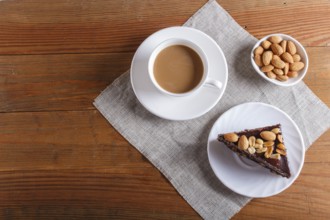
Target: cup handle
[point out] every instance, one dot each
(213, 82)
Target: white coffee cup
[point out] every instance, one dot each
(205, 81)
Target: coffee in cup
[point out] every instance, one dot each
(179, 67)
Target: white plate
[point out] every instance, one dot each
(178, 108)
(242, 175)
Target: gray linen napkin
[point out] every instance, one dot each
(178, 149)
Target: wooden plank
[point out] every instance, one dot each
(307, 21)
(57, 82)
(318, 75)
(52, 160)
(84, 194)
(60, 164)
(39, 27)
(72, 81)
(63, 140)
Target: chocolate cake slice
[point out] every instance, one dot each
(264, 146)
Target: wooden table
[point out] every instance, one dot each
(60, 158)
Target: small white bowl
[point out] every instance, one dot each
(300, 50)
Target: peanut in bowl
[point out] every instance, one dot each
(280, 59)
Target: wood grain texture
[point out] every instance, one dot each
(57, 82)
(307, 21)
(73, 164)
(60, 159)
(81, 26)
(84, 26)
(89, 194)
(318, 77)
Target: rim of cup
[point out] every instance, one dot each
(300, 50)
(181, 42)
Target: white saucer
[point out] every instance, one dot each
(178, 108)
(242, 175)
